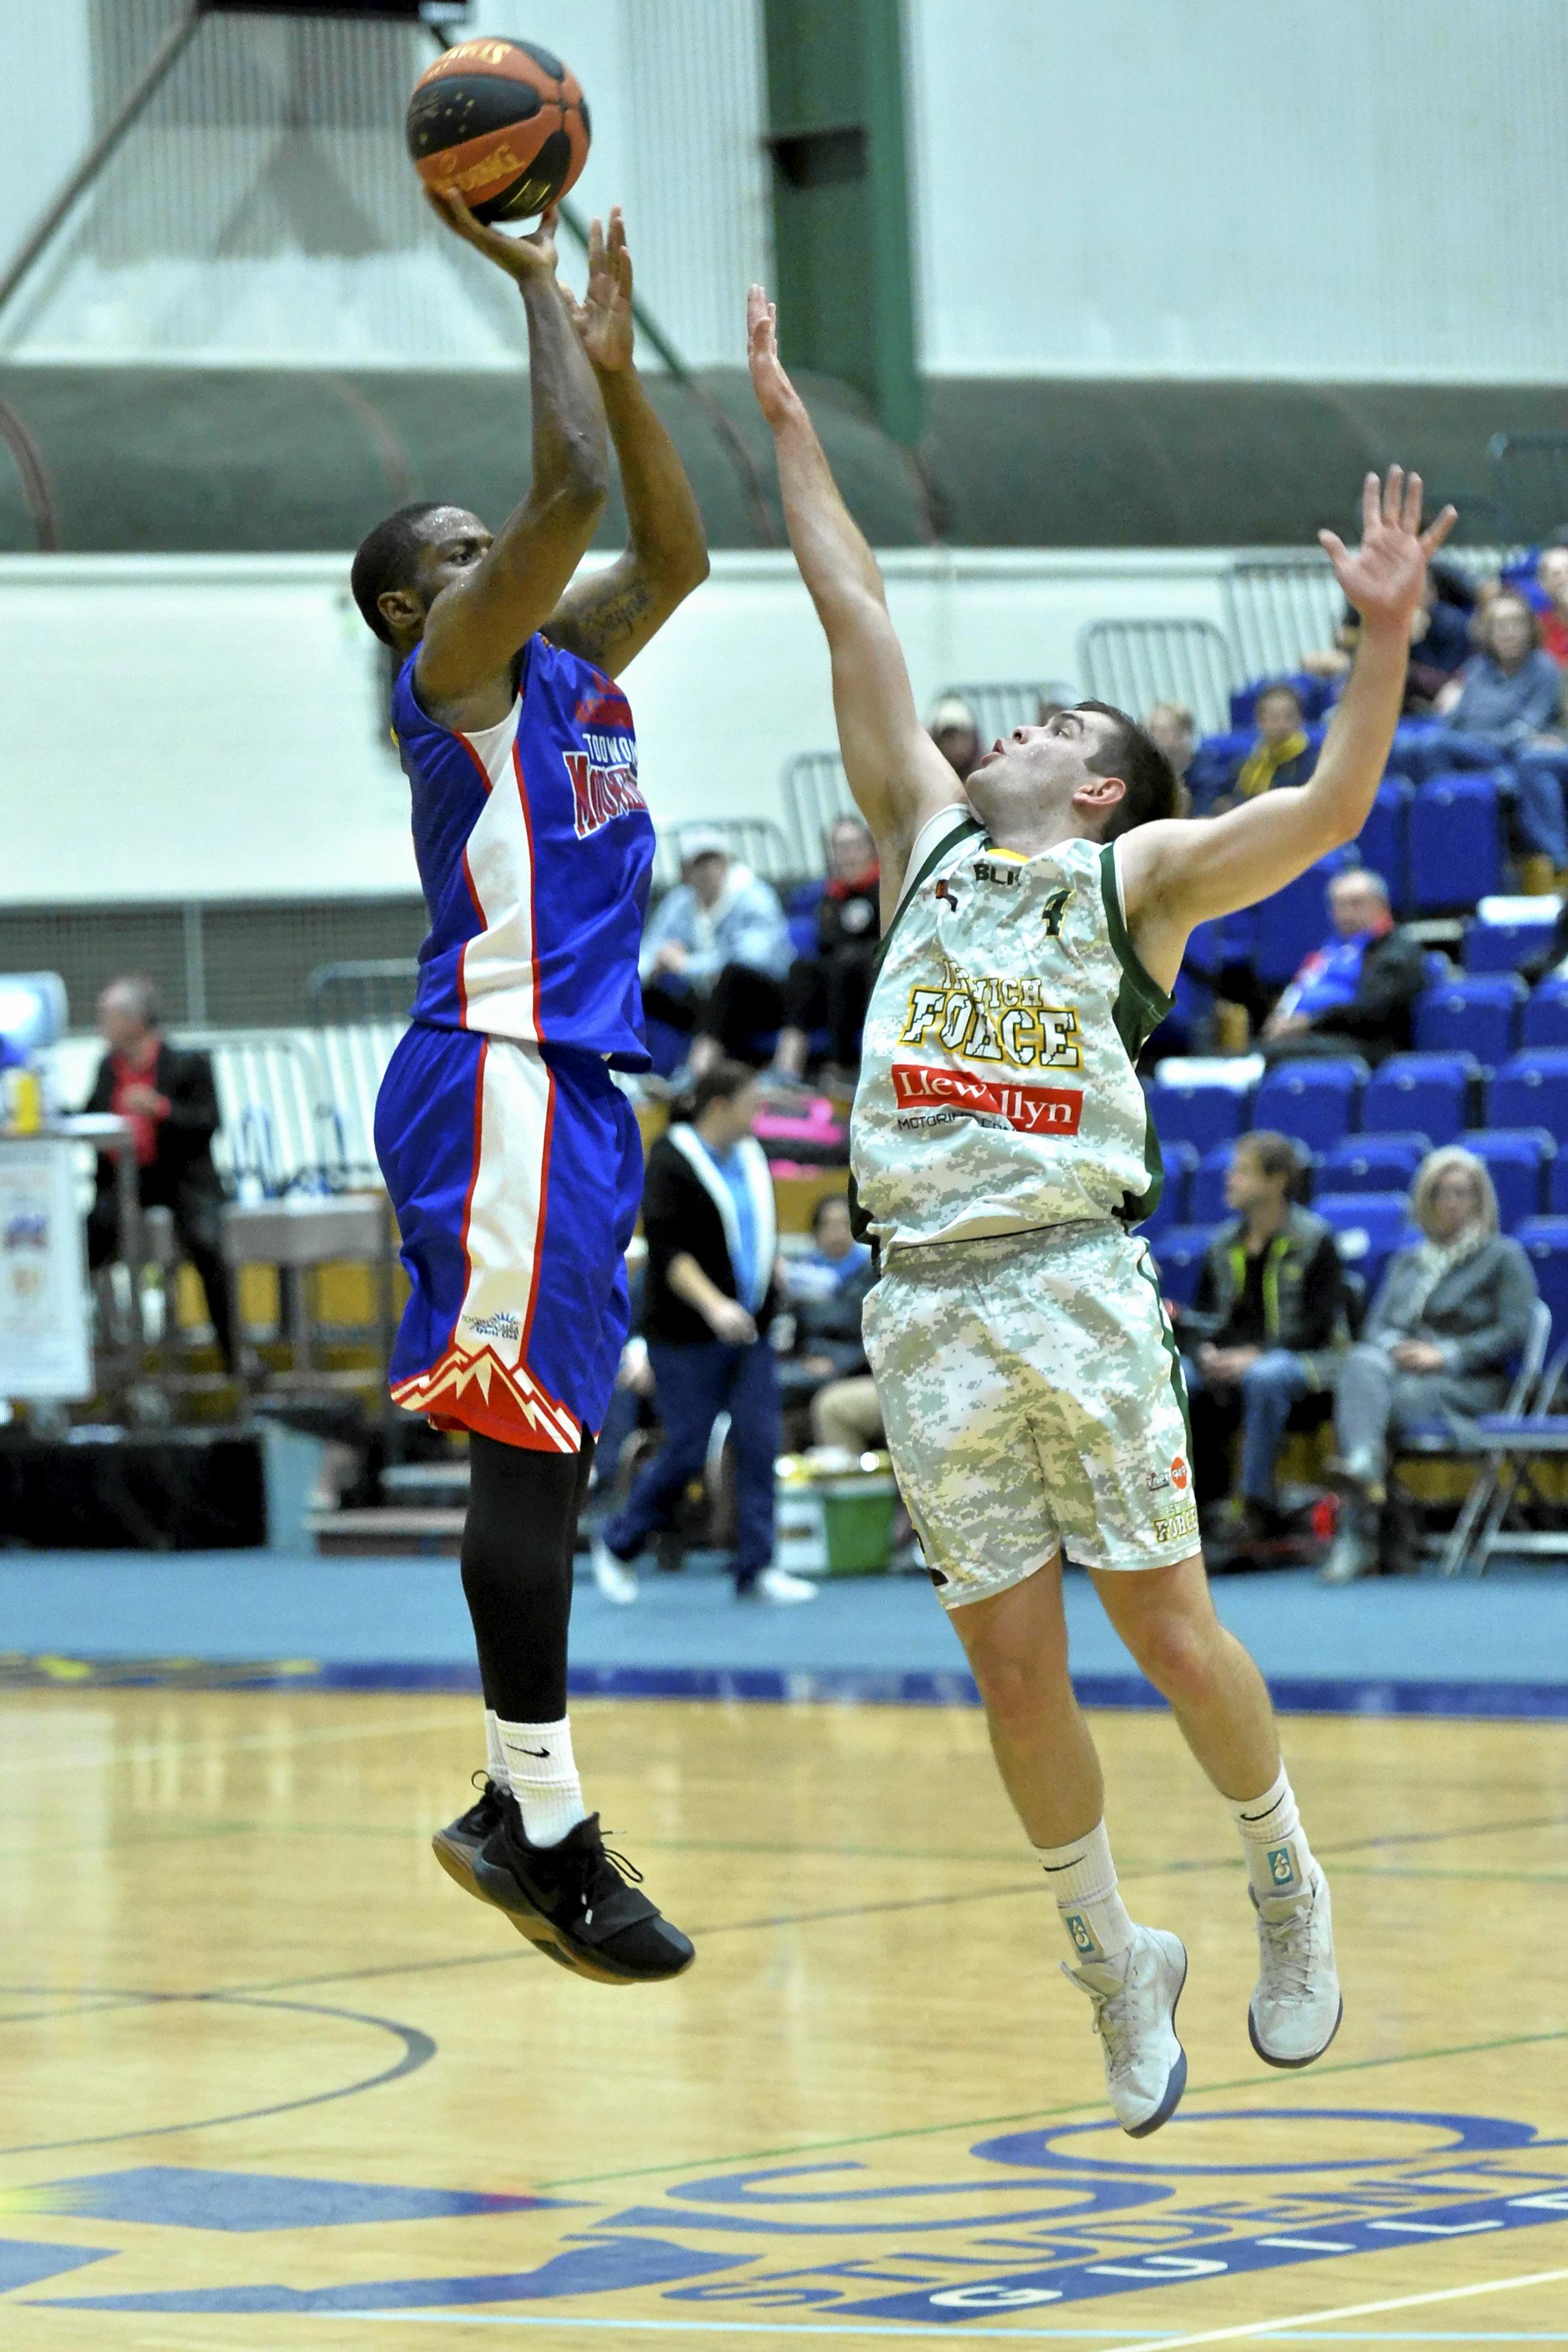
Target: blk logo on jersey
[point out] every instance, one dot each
(604, 782)
(954, 1094)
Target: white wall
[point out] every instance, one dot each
(1322, 188)
(216, 219)
(207, 727)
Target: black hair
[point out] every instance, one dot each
(1279, 685)
(385, 558)
(720, 1082)
(1132, 754)
(829, 1201)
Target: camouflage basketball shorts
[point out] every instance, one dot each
(1033, 1398)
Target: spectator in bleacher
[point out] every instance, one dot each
(1174, 729)
(714, 955)
(1281, 753)
(1264, 1329)
(1451, 1315)
(954, 732)
(709, 1296)
(831, 987)
(825, 1291)
(1551, 574)
(168, 1096)
(1357, 992)
(1439, 647)
(1503, 707)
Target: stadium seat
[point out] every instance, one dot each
(1180, 1160)
(1473, 1013)
(1369, 1227)
(1422, 1094)
(1315, 694)
(1178, 1261)
(1533, 1091)
(1294, 920)
(1506, 932)
(1384, 846)
(1557, 1186)
(1207, 1202)
(1314, 1103)
(1544, 1241)
(1516, 1160)
(800, 911)
(1546, 1015)
(1455, 843)
(1371, 1164)
(1202, 1115)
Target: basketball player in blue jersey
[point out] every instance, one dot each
(513, 1159)
(1032, 927)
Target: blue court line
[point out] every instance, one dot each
(1291, 1694)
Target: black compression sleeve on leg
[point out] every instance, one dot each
(518, 1541)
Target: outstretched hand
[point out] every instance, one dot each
(1384, 577)
(603, 317)
(530, 259)
(776, 397)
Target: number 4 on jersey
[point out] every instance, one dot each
(1052, 911)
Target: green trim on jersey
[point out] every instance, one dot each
(1168, 1340)
(1141, 1005)
(859, 1223)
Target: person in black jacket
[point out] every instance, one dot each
(832, 987)
(1264, 1329)
(1356, 994)
(167, 1093)
(710, 1296)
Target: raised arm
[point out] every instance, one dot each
(898, 776)
(1178, 873)
(480, 622)
(610, 616)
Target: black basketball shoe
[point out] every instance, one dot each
(579, 1903)
(456, 1846)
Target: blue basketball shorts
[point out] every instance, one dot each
(516, 1177)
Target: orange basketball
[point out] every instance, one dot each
(503, 122)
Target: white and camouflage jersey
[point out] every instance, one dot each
(997, 1089)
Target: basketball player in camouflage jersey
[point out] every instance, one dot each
(1003, 1154)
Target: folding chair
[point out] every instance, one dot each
(1487, 1440)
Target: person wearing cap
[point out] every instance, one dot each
(954, 732)
(714, 955)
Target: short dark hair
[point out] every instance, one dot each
(1132, 754)
(384, 559)
(1514, 596)
(719, 1082)
(829, 1201)
(1277, 685)
(1276, 1154)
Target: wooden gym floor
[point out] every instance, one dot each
(271, 2081)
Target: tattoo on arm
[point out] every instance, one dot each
(602, 623)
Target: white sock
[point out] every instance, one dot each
(542, 1774)
(1082, 1878)
(495, 1754)
(1279, 1859)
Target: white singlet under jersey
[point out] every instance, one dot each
(998, 1089)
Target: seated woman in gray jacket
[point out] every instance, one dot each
(1449, 1318)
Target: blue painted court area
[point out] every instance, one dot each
(1500, 1647)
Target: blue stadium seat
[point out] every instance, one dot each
(1369, 1228)
(1207, 1202)
(1294, 920)
(1422, 1094)
(1178, 1261)
(1557, 1186)
(1502, 943)
(1474, 1013)
(1533, 1091)
(1371, 1164)
(1546, 1015)
(1180, 1160)
(1201, 1115)
(1517, 1159)
(1455, 843)
(1544, 1241)
(1384, 846)
(1314, 1103)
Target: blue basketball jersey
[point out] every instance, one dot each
(534, 848)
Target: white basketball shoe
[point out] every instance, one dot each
(1135, 1998)
(1296, 2009)
(615, 1579)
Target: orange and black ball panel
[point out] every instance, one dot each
(504, 123)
